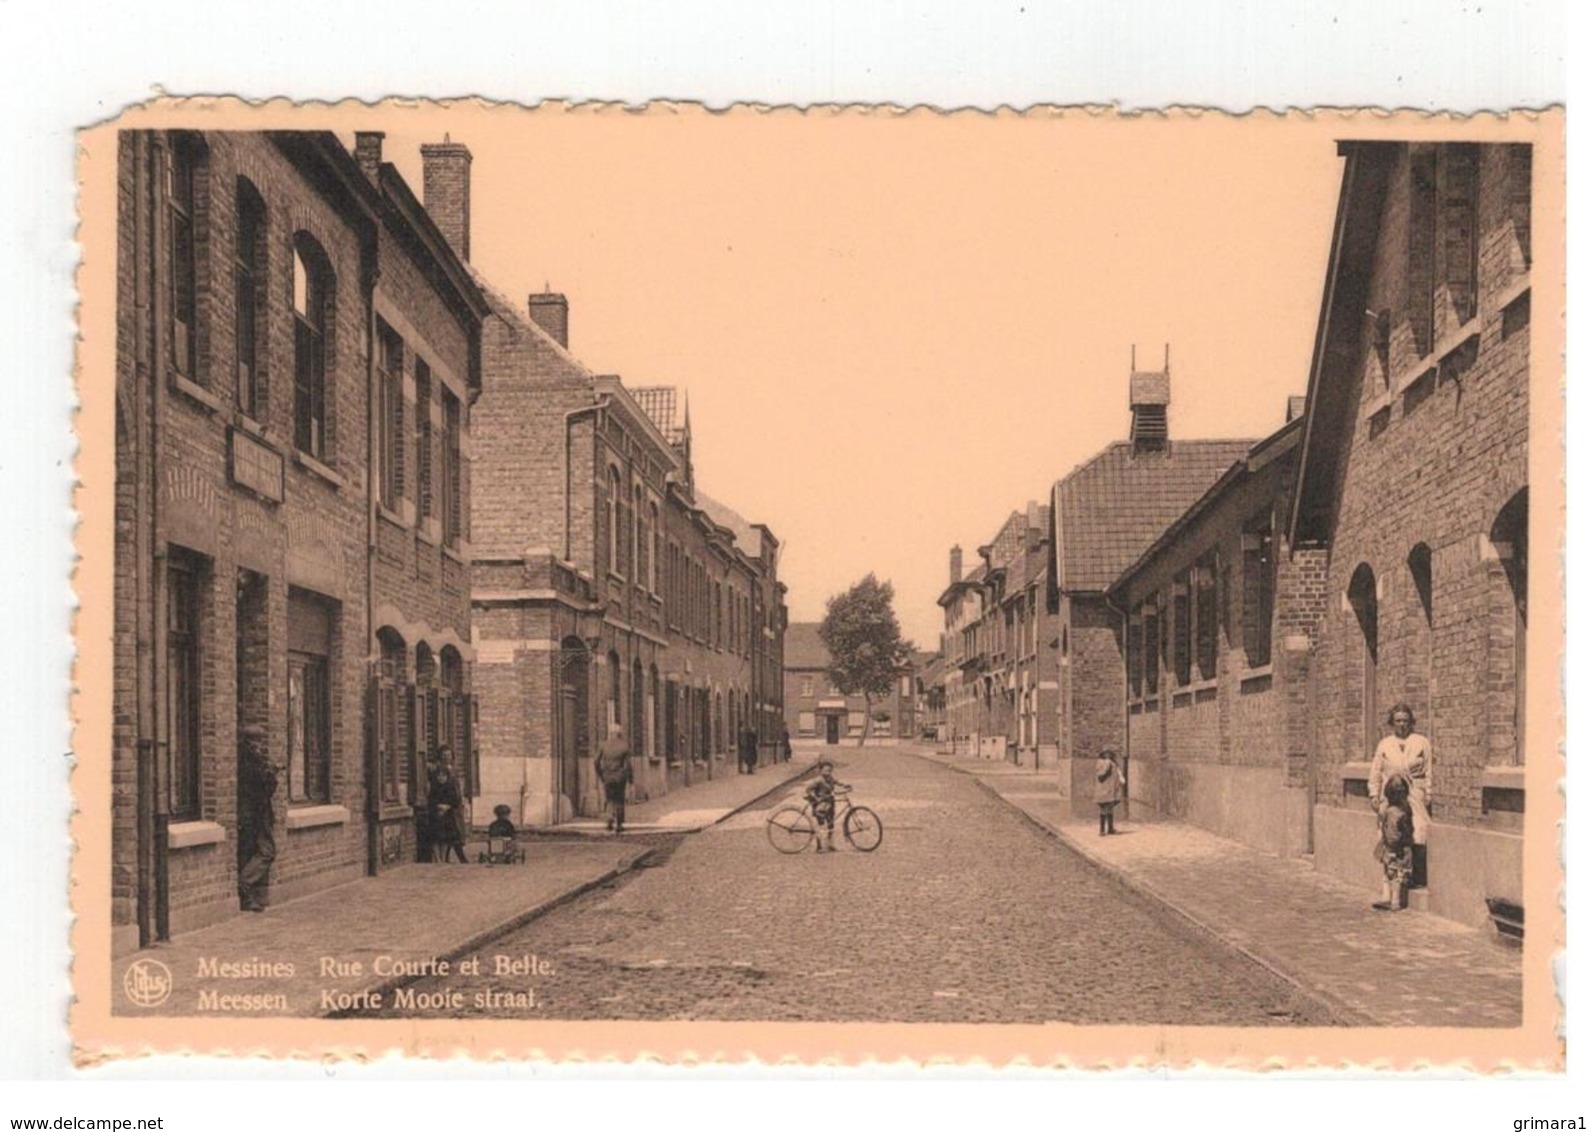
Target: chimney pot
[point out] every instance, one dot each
(551, 311)
(446, 192)
(955, 564)
(1149, 405)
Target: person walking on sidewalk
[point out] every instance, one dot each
(747, 751)
(1394, 850)
(257, 844)
(786, 745)
(1109, 781)
(1406, 754)
(613, 765)
(447, 809)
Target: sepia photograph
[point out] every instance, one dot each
(1050, 585)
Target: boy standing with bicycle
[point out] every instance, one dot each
(822, 799)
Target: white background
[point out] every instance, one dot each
(72, 63)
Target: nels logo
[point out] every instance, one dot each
(147, 982)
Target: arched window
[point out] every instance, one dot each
(1510, 539)
(313, 307)
(249, 298)
(184, 185)
(656, 580)
(640, 566)
(426, 726)
(613, 692)
(612, 518)
(1363, 598)
(636, 734)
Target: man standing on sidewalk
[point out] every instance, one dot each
(613, 764)
(257, 847)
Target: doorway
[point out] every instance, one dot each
(833, 730)
(573, 725)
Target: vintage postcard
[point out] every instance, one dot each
(855, 584)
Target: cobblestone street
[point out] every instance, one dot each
(966, 913)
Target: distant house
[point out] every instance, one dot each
(1414, 482)
(1106, 513)
(1006, 619)
(817, 712)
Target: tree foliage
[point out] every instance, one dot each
(861, 633)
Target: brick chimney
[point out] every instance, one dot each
(368, 152)
(955, 565)
(1149, 405)
(446, 191)
(1296, 405)
(550, 311)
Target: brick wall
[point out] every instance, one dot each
(1451, 428)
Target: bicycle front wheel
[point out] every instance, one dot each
(862, 828)
(790, 830)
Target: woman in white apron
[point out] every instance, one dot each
(1407, 753)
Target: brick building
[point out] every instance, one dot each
(1414, 484)
(963, 605)
(1007, 617)
(1106, 513)
(1219, 622)
(253, 272)
(608, 588)
(816, 712)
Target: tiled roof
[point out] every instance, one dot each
(747, 539)
(1112, 507)
(803, 648)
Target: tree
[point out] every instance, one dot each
(867, 648)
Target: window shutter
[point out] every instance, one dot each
(374, 748)
(413, 740)
(472, 764)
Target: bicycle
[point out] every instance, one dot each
(792, 829)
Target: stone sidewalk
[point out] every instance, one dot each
(1371, 968)
(320, 954)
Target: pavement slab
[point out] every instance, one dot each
(1374, 968)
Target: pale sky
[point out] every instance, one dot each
(893, 330)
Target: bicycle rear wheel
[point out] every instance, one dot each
(862, 828)
(790, 830)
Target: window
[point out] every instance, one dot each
(1206, 600)
(312, 308)
(1363, 597)
(808, 686)
(613, 704)
(1258, 589)
(308, 740)
(612, 519)
(1152, 638)
(1510, 538)
(1380, 351)
(184, 583)
(424, 502)
(249, 278)
(392, 750)
(1181, 661)
(640, 538)
(1520, 172)
(1421, 249)
(182, 178)
(390, 416)
(310, 632)
(806, 723)
(657, 583)
(1460, 166)
(1133, 655)
(453, 486)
